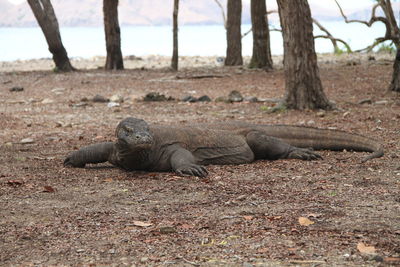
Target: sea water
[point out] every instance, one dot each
(194, 40)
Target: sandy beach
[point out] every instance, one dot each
(160, 62)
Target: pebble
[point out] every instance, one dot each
(99, 99)
(167, 230)
(58, 91)
(117, 99)
(189, 98)
(381, 102)
(47, 101)
(235, 96)
(17, 89)
(27, 141)
(365, 101)
(204, 98)
(144, 259)
(251, 99)
(155, 96)
(113, 104)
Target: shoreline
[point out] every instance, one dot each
(185, 62)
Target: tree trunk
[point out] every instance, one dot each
(45, 16)
(303, 85)
(233, 34)
(114, 59)
(395, 84)
(261, 43)
(174, 61)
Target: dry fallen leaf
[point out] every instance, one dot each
(305, 221)
(248, 218)
(14, 182)
(365, 249)
(142, 224)
(49, 189)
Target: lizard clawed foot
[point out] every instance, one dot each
(71, 161)
(193, 170)
(304, 154)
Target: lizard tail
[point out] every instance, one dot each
(325, 139)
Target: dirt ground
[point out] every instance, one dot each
(246, 215)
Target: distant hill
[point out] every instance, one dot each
(139, 12)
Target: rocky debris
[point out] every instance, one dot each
(353, 62)
(99, 99)
(155, 96)
(192, 99)
(17, 89)
(204, 98)
(189, 98)
(235, 96)
(80, 104)
(251, 99)
(132, 57)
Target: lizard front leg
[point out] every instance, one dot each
(96, 153)
(183, 162)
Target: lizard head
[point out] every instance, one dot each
(134, 134)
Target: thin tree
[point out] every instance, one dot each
(45, 16)
(303, 84)
(233, 34)
(261, 57)
(114, 60)
(174, 61)
(392, 34)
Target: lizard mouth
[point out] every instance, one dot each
(135, 143)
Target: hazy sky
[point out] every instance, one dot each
(346, 4)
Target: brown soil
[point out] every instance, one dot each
(240, 215)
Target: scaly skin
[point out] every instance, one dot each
(185, 150)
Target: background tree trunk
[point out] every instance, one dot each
(395, 84)
(233, 34)
(303, 85)
(44, 14)
(114, 59)
(261, 43)
(174, 61)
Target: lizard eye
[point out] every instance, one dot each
(129, 130)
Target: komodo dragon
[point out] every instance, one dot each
(186, 149)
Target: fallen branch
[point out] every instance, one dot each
(199, 76)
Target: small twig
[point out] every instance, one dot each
(246, 33)
(200, 76)
(190, 262)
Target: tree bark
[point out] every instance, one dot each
(303, 84)
(174, 61)
(261, 43)
(114, 59)
(45, 16)
(233, 34)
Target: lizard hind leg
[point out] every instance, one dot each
(272, 148)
